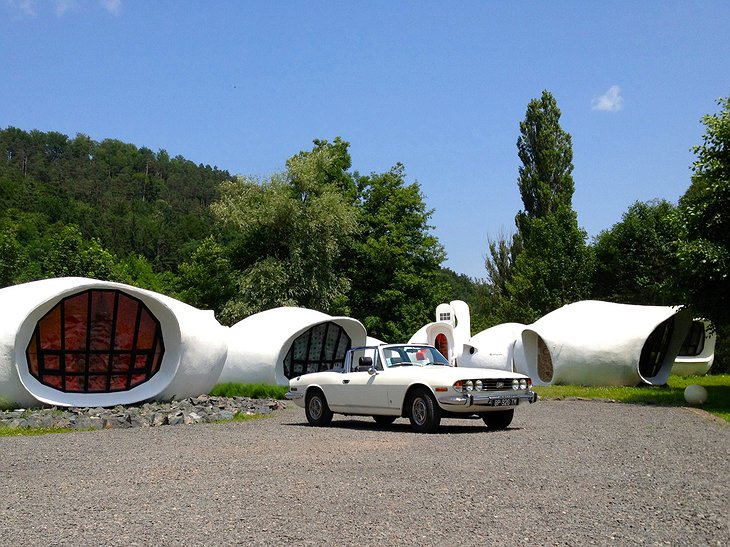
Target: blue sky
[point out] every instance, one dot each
(438, 86)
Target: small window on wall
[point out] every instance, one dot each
(323, 347)
(694, 343)
(445, 317)
(97, 341)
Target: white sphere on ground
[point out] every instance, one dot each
(695, 394)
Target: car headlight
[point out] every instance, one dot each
(478, 385)
(469, 385)
(515, 384)
(523, 384)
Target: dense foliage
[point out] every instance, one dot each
(636, 259)
(704, 223)
(146, 211)
(316, 235)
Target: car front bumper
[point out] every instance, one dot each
(488, 399)
(294, 395)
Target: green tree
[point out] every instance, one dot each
(636, 261)
(499, 262)
(554, 265)
(704, 223)
(289, 231)
(11, 259)
(67, 254)
(207, 280)
(395, 263)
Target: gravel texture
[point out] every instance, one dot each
(564, 473)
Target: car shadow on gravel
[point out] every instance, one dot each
(445, 428)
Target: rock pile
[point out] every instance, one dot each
(201, 409)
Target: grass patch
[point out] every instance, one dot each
(672, 394)
(244, 417)
(31, 431)
(254, 391)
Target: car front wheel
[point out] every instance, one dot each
(316, 409)
(498, 420)
(423, 411)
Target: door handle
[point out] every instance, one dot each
(345, 381)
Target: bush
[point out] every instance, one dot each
(254, 391)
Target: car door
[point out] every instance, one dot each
(360, 392)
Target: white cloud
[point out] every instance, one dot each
(23, 8)
(29, 8)
(112, 6)
(64, 6)
(610, 101)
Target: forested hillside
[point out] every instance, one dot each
(317, 235)
(134, 201)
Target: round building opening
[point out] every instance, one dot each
(96, 341)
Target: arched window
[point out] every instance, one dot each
(323, 347)
(96, 341)
(694, 343)
(544, 361)
(655, 349)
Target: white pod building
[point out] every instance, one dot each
(697, 352)
(595, 343)
(493, 348)
(83, 342)
(278, 344)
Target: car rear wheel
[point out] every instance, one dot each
(384, 420)
(316, 408)
(498, 420)
(423, 411)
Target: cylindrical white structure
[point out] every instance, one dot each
(272, 346)
(493, 347)
(597, 343)
(83, 342)
(433, 333)
(697, 353)
(449, 333)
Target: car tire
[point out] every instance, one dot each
(423, 411)
(316, 408)
(384, 420)
(498, 420)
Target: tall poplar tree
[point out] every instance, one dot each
(554, 265)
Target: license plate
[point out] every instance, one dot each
(508, 401)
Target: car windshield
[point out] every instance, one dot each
(407, 355)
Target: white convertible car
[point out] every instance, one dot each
(409, 380)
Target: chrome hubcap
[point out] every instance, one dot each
(315, 407)
(419, 411)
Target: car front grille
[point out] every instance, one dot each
(492, 384)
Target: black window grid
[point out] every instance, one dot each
(152, 356)
(329, 356)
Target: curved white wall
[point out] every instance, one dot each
(195, 345)
(597, 343)
(492, 348)
(700, 364)
(258, 344)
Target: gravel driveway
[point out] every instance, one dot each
(564, 473)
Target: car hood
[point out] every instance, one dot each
(450, 374)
